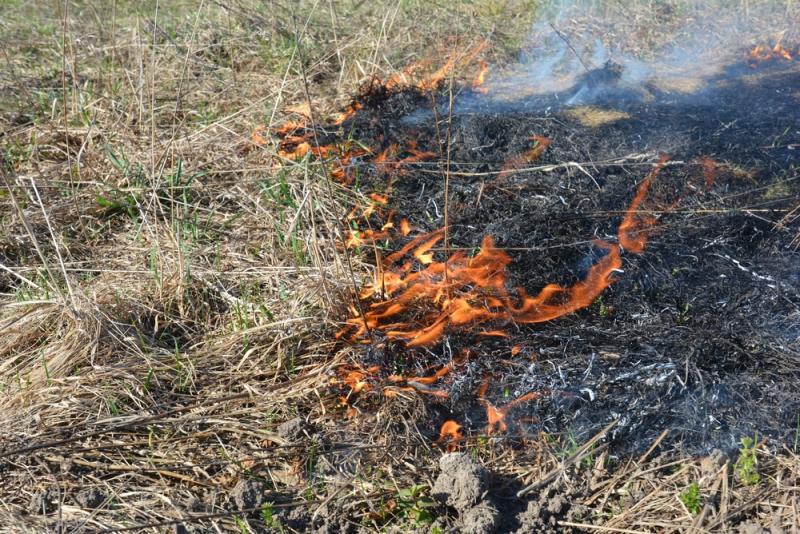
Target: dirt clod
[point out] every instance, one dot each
(293, 429)
(248, 494)
(481, 519)
(42, 502)
(711, 464)
(90, 498)
(461, 483)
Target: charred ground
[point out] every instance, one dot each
(696, 335)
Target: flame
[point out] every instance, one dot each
(356, 378)
(515, 163)
(257, 136)
(380, 199)
(405, 79)
(633, 230)
(450, 435)
(710, 171)
(480, 79)
(303, 109)
(470, 291)
(496, 416)
(351, 110)
(762, 53)
(463, 292)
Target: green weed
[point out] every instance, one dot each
(268, 517)
(691, 498)
(746, 466)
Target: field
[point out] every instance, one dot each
(172, 283)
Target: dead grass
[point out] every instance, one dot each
(595, 117)
(168, 294)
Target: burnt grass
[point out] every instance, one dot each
(698, 335)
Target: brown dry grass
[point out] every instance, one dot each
(168, 295)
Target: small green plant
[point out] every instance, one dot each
(414, 506)
(691, 498)
(242, 524)
(268, 517)
(602, 309)
(148, 380)
(746, 467)
(113, 408)
(183, 373)
(568, 446)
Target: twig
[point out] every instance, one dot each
(566, 41)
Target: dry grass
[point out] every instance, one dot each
(167, 294)
(594, 117)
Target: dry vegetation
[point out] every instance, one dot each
(167, 295)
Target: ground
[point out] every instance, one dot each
(171, 288)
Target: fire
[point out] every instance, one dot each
(470, 291)
(633, 230)
(356, 378)
(351, 110)
(496, 417)
(433, 81)
(761, 53)
(480, 79)
(710, 171)
(464, 292)
(406, 78)
(450, 435)
(515, 163)
(303, 109)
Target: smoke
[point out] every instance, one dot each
(620, 53)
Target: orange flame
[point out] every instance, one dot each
(470, 291)
(351, 110)
(356, 378)
(464, 292)
(515, 163)
(480, 79)
(303, 109)
(405, 78)
(761, 53)
(496, 417)
(633, 230)
(450, 435)
(710, 171)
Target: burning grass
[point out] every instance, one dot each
(174, 262)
